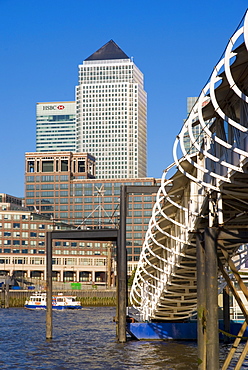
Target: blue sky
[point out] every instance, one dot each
(175, 44)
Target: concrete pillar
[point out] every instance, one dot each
(93, 276)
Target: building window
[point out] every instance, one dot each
(37, 260)
(64, 178)
(47, 178)
(148, 206)
(64, 208)
(85, 261)
(47, 166)
(64, 165)
(30, 178)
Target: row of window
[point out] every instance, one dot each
(87, 190)
(106, 68)
(47, 186)
(23, 234)
(66, 261)
(56, 251)
(24, 226)
(111, 185)
(84, 199)
(81, 244)
(8, 216)
(46, 178)
(24, 251)
(23, 242)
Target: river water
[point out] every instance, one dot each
(84, 339)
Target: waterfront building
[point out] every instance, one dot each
(111, 113)
(86, 202)
(55, 127)
(22, 250)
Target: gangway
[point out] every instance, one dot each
(203, 198)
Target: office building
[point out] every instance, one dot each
(55, 127)
(111, 113)
(196, 130)
(83, 201)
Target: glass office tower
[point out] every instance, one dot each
(55, 127)
(111, 113)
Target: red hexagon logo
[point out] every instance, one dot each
(60, 107)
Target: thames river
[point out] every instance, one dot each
(83, 339)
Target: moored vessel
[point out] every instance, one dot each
(59, 302)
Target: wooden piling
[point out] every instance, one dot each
(201, 303)
(122, 268)
(226, 313)
(211, 277)
(49, 285)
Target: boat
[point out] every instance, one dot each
(37, 301)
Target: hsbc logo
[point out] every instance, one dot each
(53, 107)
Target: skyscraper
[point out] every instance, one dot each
(196, 130)
(55, 127)
(111, 113)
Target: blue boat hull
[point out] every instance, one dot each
(42, 307)
(175, 330)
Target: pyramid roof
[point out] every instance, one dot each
(108, 51)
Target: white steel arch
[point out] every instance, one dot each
(208, 185)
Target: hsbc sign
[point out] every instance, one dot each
(53, 107)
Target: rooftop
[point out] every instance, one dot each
(108, 51)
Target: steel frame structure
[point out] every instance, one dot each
(206, 190)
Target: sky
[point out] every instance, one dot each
(176, 45)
